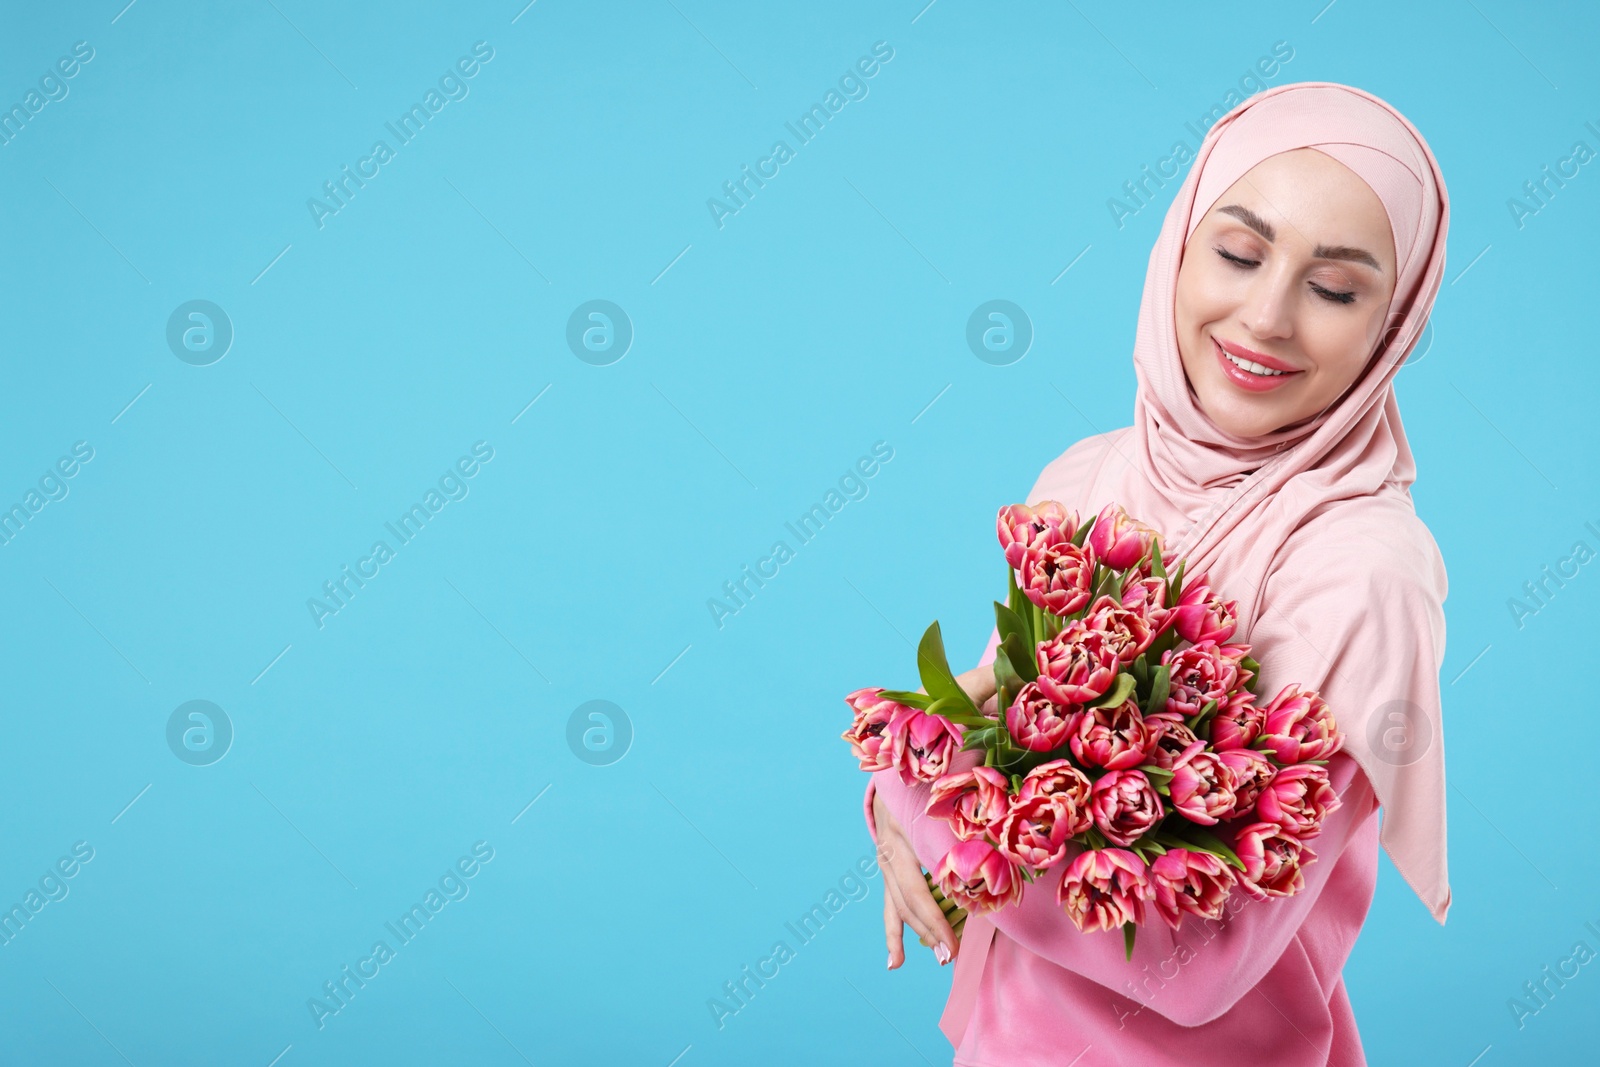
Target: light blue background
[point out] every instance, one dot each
(769, 355)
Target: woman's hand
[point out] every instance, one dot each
(906, 897)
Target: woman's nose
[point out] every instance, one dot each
(1267, 311)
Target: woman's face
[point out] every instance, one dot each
(1292, 270)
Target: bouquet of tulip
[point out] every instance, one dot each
(1128, 748)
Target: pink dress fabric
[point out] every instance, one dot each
(1340, 588)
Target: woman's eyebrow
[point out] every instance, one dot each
(1359, 255)
(1250, 219)
(1265, 229)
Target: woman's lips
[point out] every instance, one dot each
(1255, 383)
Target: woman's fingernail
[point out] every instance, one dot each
(889, 963)
(942, 952)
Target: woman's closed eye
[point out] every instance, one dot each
(1332, 295)
(1237, 260)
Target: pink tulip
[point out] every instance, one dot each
(1184, 881)
(1298, 799)
(1103, 888)
(868, 734)
(923, 744)
(1272, 860)
(1034, 833)
(1066, 791)
(1118, 539)
(1201, 615)
(1125, 806)
(1147, 597)
(973, 801)
(1299, 726)
(1021, 528)
(1201, 789)
(1077, 665)
(1200, 673)
(1129, 632)
(1056, 577)
(1062, 784)
(1252, 772)
(978, 877)
(1237, 723)
(926, 743)
(1038, 723)
(1114, 738)
(1172, 736)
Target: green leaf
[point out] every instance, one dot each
(1159, 688)
(937, 677)
(1147, 844)
(1141, 671)
(1082, 533)
(1166, 640)
(1197, 837)
(1249, 663)
(1053, 625)
(1009, 622)
(1157, 567)
(1014, 761)
(985, 737)
(1129, 930)
(950, 709)
(1007, 682)
(1119, 691)
(1175, 586)
(1021, 607)
(1021, 659)
(1004, 698)
(1208, 709)
(910, 700)
(1158, 775)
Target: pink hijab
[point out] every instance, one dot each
(1310, 528)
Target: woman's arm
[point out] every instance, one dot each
(1221, 960)
(907, 899)
(1221, 967)
(1224, 959)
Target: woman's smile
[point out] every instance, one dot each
(1248, 369)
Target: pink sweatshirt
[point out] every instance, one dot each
(1263, 985)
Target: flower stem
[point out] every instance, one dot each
(954, 913)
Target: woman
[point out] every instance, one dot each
(1294, 273)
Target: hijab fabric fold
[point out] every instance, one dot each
(1311, 527)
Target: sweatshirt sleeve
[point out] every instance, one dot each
(1240, 950)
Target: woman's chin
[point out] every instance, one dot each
(1243, 416)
